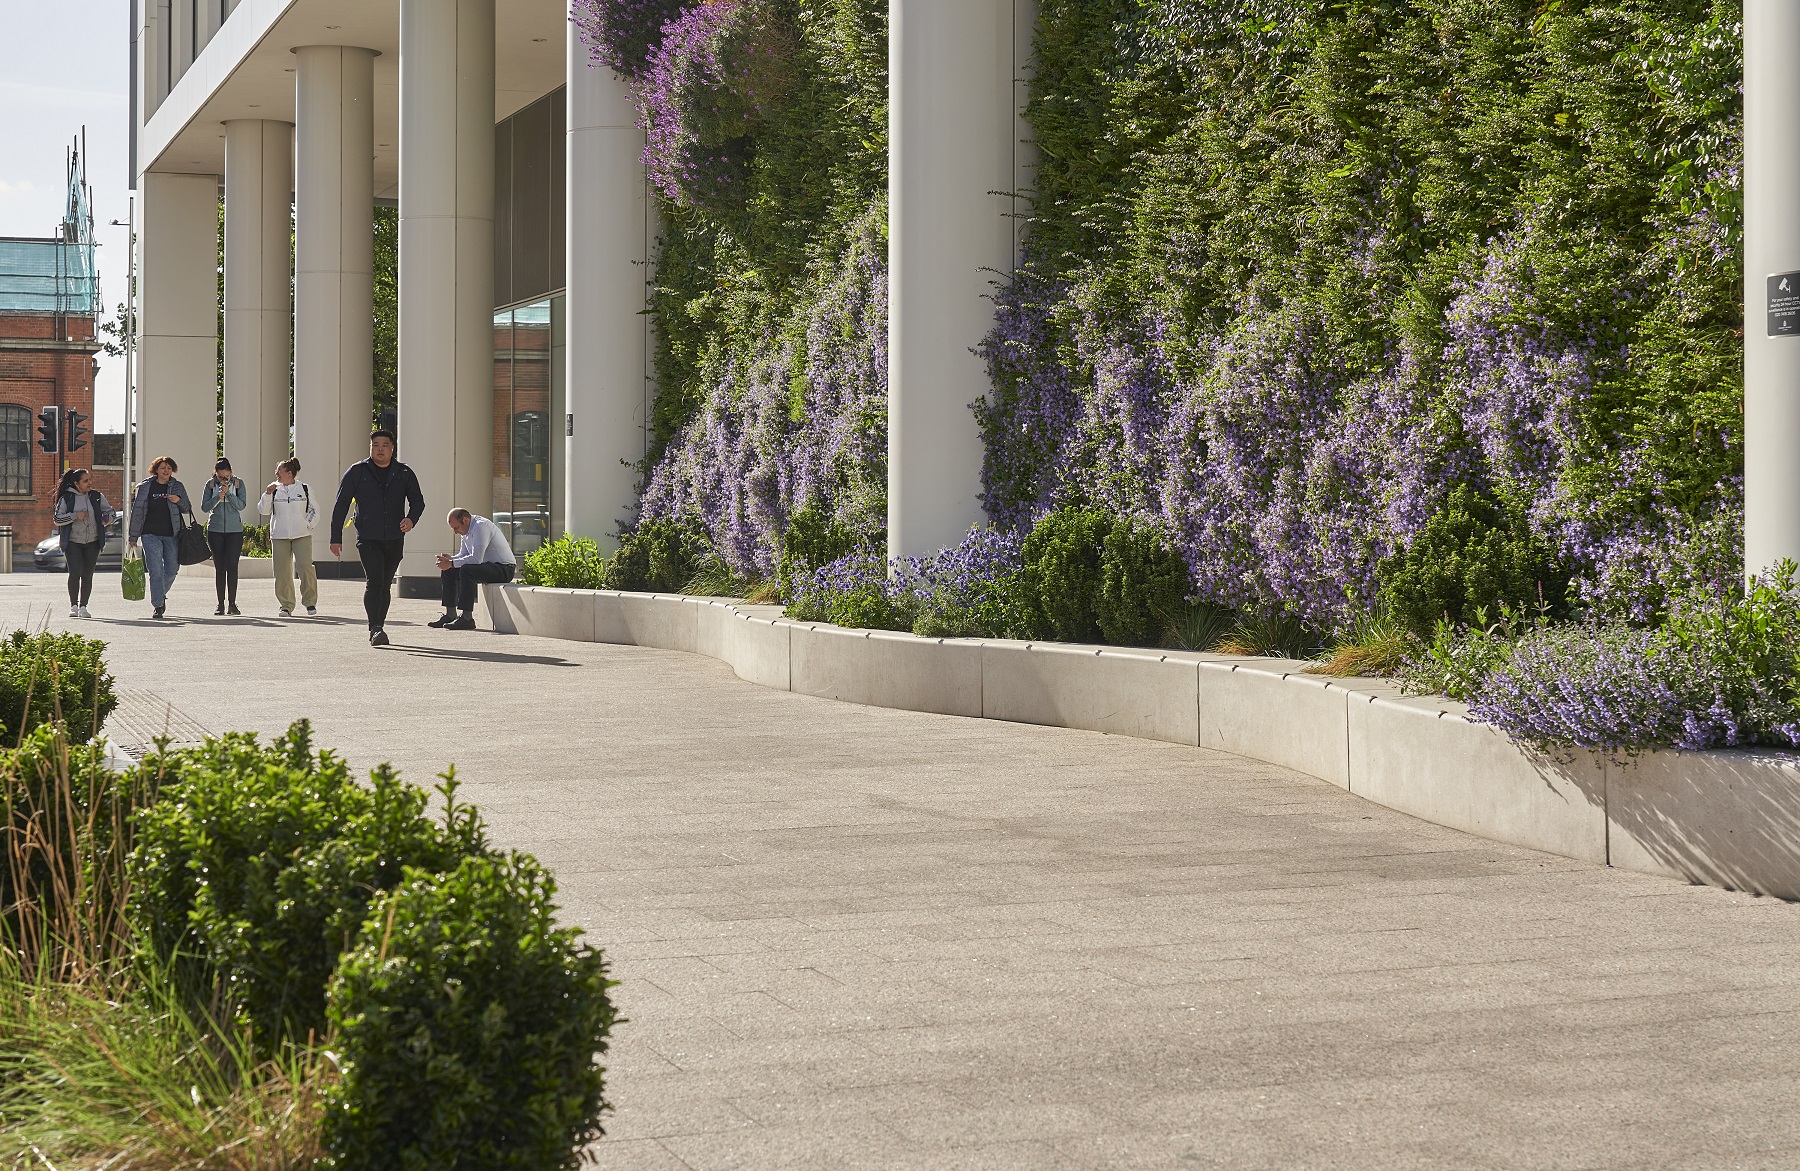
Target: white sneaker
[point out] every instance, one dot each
(84, 611)
(74, 611)
(312, 611)
(284, 613)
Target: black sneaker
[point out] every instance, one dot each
(439, 623)
(157, 613)
(463, 623)
(378, 638)
(232, 609)
(219, 609)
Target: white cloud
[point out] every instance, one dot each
(20, 187)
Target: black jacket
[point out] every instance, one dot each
(378, 511)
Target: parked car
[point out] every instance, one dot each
(49, 555)
(524, 531)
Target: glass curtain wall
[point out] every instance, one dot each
(529, 404)
(528, 398)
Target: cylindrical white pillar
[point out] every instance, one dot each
(608, 230)
(178, 347)
(259, 184)
(1771, 258)
(951, 141)
(446, 263)
(334, 264)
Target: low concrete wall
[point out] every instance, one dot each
(1728, 819)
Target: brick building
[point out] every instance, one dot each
(49, 298)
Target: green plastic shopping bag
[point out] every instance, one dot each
(131, 577)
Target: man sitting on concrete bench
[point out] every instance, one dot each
(483, 557)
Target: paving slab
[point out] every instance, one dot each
(860, 937)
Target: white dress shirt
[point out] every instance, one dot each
(483, 543)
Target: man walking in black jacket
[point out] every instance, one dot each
(388, 504)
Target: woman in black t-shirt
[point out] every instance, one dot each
(156, 511)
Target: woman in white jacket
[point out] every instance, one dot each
(289, 507)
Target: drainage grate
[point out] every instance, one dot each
(143, 717)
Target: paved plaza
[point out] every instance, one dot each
(851, 937)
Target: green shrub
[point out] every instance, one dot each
(48, 676)
(813, 539)
(256, 541)
(256, 866)
(1144, 585)
(1471, 555)
(659, 556)
(469, 1026)
(567, 563)
(1060, 578)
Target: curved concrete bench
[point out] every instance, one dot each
(1729, 819)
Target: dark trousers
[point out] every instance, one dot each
(380, 562)
(460, 582)
(82, 557)
(226, 549)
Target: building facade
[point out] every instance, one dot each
(526, 244)
(49, 302)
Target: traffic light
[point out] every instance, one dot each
(49, 430)
(77, 433)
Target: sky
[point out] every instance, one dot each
(63, 65)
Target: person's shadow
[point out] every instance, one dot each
(481, 656)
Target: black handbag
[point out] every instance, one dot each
(191, 547)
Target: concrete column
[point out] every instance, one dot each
(1771, 247)
(259, 182)
(952, 138)
(609, 216)
(446, 263)
(334, 265)
(178, 324)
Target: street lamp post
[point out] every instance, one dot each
(130, 338)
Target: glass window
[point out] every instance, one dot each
(526, 401)
(15, 450)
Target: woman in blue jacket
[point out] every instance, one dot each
(223, 503)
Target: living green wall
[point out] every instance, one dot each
(1300, 271)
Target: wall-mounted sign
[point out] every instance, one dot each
(1784, 304)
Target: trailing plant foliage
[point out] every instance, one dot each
(1722, 672)
(1297, 273)
(468, 1023)
(766, 123)
(255, 869)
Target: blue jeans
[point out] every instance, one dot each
(161, 564)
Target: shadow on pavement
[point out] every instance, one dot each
(482, 656)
